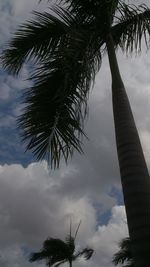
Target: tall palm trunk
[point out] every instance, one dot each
(70, 263)
(134, 174)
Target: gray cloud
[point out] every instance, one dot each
(31, 210)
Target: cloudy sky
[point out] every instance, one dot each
(36, 202)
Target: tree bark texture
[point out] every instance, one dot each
(134, 173)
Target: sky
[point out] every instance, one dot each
(36, 202)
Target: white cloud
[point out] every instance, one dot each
(14, 12)
(31, 202)
(106, 238)
(31, 209)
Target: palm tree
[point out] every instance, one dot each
(124, 255)
(65, 47)
(56, 252)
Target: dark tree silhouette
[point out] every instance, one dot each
(124, 256)
(66, 46)
(56, 252)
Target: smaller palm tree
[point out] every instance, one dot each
(56, 251)
(124, 256)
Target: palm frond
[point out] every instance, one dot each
(125, 243)
(124, 254)
(70, 241)
(86, 253)
(132, 25)
(101, 11)
(77, 230)
(54, 251)
(54, 245)
(52, 121)
(37, 256)
(34, 40)
(90, 7)
(50, 125)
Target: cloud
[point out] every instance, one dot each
(31, 209)
(104, 241)
(15, 12)
(106, 238)
(32, 199)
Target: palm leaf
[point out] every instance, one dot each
(34, 40)
(91, 7)
(70, 241)
(52, 121)
(54, 251)
(56, 246)
(124, 254)
(37, 256)
(86, 253)
(101, 11)
(133, 25)
(77, 230)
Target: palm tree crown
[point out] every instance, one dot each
(66, 45)
(56, 252)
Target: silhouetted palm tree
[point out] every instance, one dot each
(56, 252)
(66, 46)
(124, 255)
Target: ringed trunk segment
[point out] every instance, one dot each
(134, 173)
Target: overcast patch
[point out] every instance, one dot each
(31, 209)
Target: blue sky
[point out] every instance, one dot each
(12, 150)
(36, 202)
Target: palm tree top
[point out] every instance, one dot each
(56, 251)
(66, 46)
